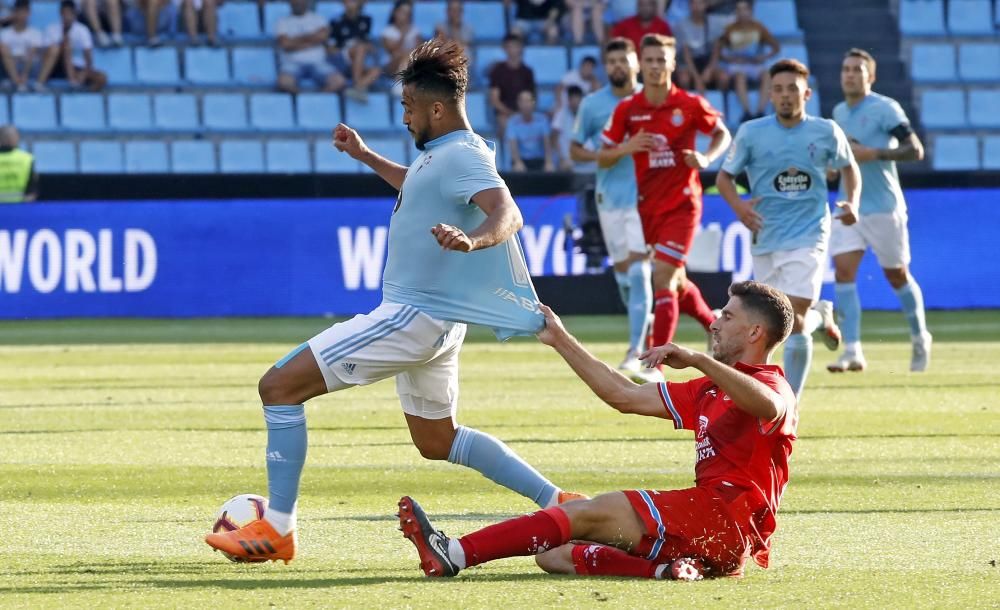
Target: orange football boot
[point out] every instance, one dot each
(569, 496)
(256, 542)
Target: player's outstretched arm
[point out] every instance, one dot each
(608, 384)
(346, 140)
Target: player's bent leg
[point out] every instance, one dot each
(666, 308)
(558, 560)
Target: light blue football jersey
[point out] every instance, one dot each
(490, 287)
(616, 185)
(871, 122)
(787, 169)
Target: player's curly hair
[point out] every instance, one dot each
(439, 68)
(770, 304)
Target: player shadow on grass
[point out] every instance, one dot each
(278, 581)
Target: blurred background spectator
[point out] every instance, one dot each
(698, 56)
(580, 11)
(190, 11)
(528, 134)
(20, 46)
(302, 40)
(454, 26)
(70, 52)
(399, 38)
(562, 131)
(157, 15)
(352, 48)
(18, 180)
(645, 21)
(584, 78)
(537, 20)
(742, 51)
(111, 11)
(508, 79)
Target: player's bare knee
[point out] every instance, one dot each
(433, 449)
(897, 277)
(273, 390)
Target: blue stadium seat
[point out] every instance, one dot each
(224, 111)
(82, 111)
(157, 66)
(329, 160)
(101, 157)
(176, 111)
(991, 152)
(933, 62)
(479, 113)
(426, 16)
(392, 148)
(943, 109)
(206, 66)
(254, 66)
(984, 108)
(486, 18)
(239, 20)
(52, 157)
(970, 17)
(546, 100)
(371, 116)
(577, 53)
(486, 57)
(329, 9)
(549, 63)
(35, 112)
(241, 157)
(272, 111)
(43, 14)
(717, 100)
(379, 12)
(701, 143)
(129, 112)
(288, 157)
(192, 157)
(4, 110)
(146, 157)
(273, 11)
(921, 17)
(979, 62)
(117, 64)
(779, 15)
(319, 111)
(956, 153)
(794, 51)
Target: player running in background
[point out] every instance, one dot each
(786, 156)
(744, 417)
(453, 258)
(873, 123)
(661, 123)
(616, 201)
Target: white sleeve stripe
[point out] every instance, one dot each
(665, 395)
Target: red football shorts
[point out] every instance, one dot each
(690, 523)
(670, 232)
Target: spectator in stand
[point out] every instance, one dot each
(699, 66)
(623, 9)
(20, 45)
(741, 49)
(508, 79)
(18, 179)
(190, 11)
(645, 21)
(70, 52)
(721, 13)
(537, 19)
(578, 16)
(152, 11)
(454, 27)
(112, 11)
(399, 38)
(584, 77)
(562, 131)
(351, 35)
(528, 134)
(302, 40)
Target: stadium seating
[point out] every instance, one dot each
(956, 153)
(272, 111)
(991, 152)
(175, 112)
(239, 21)
(55, 157)
(254, 66)
(117, 64)
(380, 12)
(329, 9)
(273, 12)
(486, 18)
(4, 109)
(934, 62)
(371, 116)
(43, 14)
(35, 112)
(984, 108)
(192, 157)
(241, 156)
(479, 113)
(794, 51)
(146, 157)
(392, 148)
(921, 17)
(549, 63)
(288, 157)
(317, 111)
(101, 157)
(979, 62)
(970, 17)
(779, 16)
(82, 111)
(329, 160)
(206, 66)
(224, 111)
(943, 109)
(486, 57)
(427, 14)
(129, 112)
(157, 66)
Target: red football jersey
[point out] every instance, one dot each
(735, 451)
(663, 178)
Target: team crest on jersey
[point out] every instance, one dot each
(792, 182)
(811, 149)
(677, 118)
(426, 161)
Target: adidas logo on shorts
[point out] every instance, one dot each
(348, 367)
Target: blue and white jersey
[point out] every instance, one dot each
(616, 185)
(787, 169)
(876, 121)
(490, 287)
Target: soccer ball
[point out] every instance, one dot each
(237, 512)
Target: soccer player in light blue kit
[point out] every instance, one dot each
(874, 123)
(786, 156)
(617, 197)
(454, 258)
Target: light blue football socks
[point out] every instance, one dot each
(287, 441)
(623, 286)
(798, 358)
(495, 461)
(640, 303)
(848, 308)
(911, 298)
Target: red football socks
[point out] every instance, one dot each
(693, 304)
(527, 535)
(665, 313)
(600, 560)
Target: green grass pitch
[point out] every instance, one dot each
(119, 440)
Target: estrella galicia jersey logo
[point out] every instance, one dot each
(792, 182)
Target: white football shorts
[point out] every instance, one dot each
(886, 234)
(622, 231)
(398, 341)
(797, 273)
